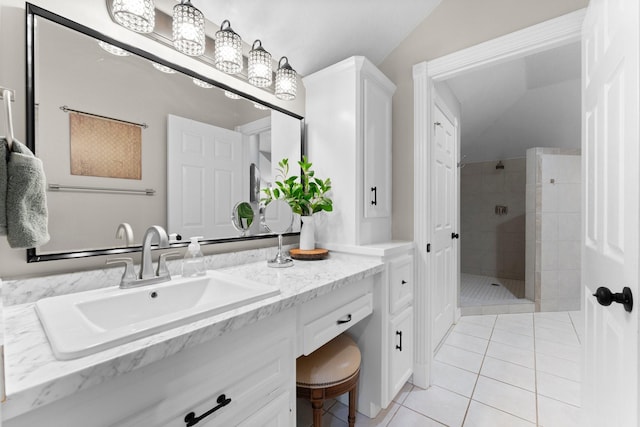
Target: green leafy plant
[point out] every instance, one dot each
(305, 194)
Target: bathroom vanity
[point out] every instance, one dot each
(241, 362)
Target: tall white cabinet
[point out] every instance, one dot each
(348, 118)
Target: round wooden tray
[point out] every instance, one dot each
(310, 255)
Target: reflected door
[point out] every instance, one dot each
(204, 178)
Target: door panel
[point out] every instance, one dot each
(611, 224)
(443, 208)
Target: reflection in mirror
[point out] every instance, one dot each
(243, 217)
(183, 152)
(278, 218)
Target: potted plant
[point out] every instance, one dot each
(306, 195)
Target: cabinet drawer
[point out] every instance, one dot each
(318, 332)
(401, 350)
(276, 413)
(400, 283)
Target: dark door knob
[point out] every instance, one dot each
(455, 236)
(606, 297)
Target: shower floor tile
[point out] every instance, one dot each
(492, 295)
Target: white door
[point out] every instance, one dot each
(205, 173)
(444, 196)
(611, 215)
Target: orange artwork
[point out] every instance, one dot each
(103, 147)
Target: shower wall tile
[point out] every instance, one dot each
(493, 245)
(555, 257)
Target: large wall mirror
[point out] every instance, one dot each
(196, 152)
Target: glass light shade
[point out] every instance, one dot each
(136, 15)
(260, 106)
(163, 68)
(260, 74)
(202, 83)
(286, 81)
(114, 50)
(231, 95)
(228, 50)
(188, 29)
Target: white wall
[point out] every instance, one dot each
(452, 26)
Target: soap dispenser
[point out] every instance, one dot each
(193, 262)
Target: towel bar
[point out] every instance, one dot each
(58, 187)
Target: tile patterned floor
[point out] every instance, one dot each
(479, 295)
(506, 370)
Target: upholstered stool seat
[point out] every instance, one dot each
(328, 372)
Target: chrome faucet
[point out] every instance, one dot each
(147, 276)
(124, 231)
(146, 265)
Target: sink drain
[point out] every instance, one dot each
(153, 294)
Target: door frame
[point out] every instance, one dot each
(537, 38)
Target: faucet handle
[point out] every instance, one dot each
(129, 274)
(163, 270)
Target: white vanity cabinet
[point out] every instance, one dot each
(400, 322)
(251, 367)
(348, 120)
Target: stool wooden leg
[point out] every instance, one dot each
(352, 405)
(317, 403)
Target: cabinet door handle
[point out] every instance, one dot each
(346, 319)
(399, 347)
(404, 282)
(374, 202)
(191, 418)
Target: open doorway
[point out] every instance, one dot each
(519, 178)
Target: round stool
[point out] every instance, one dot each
(328, 372)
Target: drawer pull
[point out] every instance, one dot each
(347, 319)
(399, 347)
(191, 418)
(374, 202)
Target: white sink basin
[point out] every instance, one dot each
(87, 322)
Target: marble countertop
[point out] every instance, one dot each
(34, 377)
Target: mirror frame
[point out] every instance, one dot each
(33, 11)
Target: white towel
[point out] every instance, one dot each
(26, 201)
(4, 158)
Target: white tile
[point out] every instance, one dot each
(472, 329)
(509, 373)
(481, 320)
(515, 340)
(467, 342)
(341, 412)
(403, 393)
(552, 413)
(480, 415)
(554, 324)
(517, 328)
(508, 398)
(439, 404)
(549, 227)
(568, 337)
(560, 367)
(461, 358)
(563, 351)
(528, 307)
(525, 319)
(569, 254)
(452, 378)
(511, 354)
(568, 197)
(329, 420)
(569, 226)
(561, 316)
(405, 417)
(558, 388)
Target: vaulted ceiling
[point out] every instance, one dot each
(524, 103)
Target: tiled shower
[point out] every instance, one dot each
(553, 223)
(520, 233)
